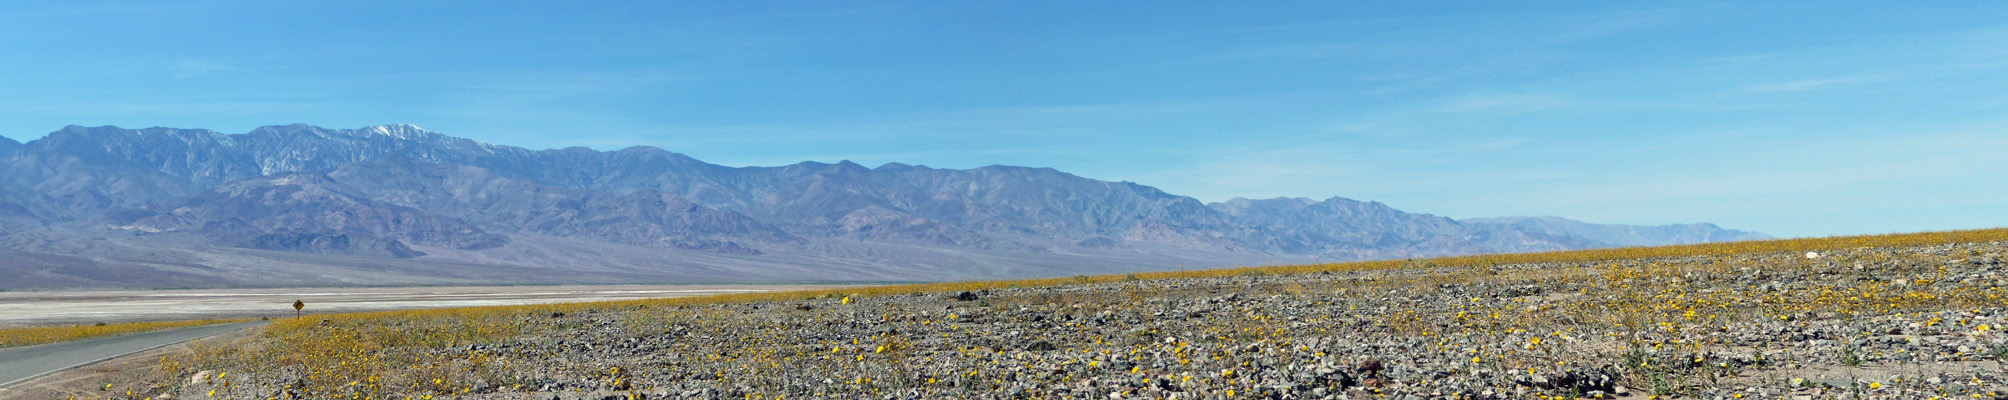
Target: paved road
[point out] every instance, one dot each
(29, 308)
(21, 363)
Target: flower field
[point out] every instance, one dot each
(1915, 316)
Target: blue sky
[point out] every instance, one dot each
(1795, 119)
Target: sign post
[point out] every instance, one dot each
(297, 305)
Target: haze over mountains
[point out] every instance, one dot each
(299, 205)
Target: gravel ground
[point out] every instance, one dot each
(1902, 323)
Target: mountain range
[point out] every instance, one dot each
(300, 205)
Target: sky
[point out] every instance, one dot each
(1793, 119)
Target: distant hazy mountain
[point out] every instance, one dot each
(1347, 229)
(1621, 235)
(189, 204)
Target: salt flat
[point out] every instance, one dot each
(67, 307)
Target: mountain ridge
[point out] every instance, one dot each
(401, 192)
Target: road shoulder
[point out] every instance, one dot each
(131, 376)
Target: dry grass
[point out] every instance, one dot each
(35, 335)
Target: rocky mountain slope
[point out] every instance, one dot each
(400, 192)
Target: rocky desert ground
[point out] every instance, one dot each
(1913, 322)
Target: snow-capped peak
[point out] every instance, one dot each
(401, 131)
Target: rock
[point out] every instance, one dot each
(199, 377)
(1041, 346)
(1836, 382)
(965, 296)
(1370, 367)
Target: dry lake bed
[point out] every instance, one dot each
(71, 307)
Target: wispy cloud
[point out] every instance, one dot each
(188, 68)
(1504, 103)
(1814, 84)
(1619, 21)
